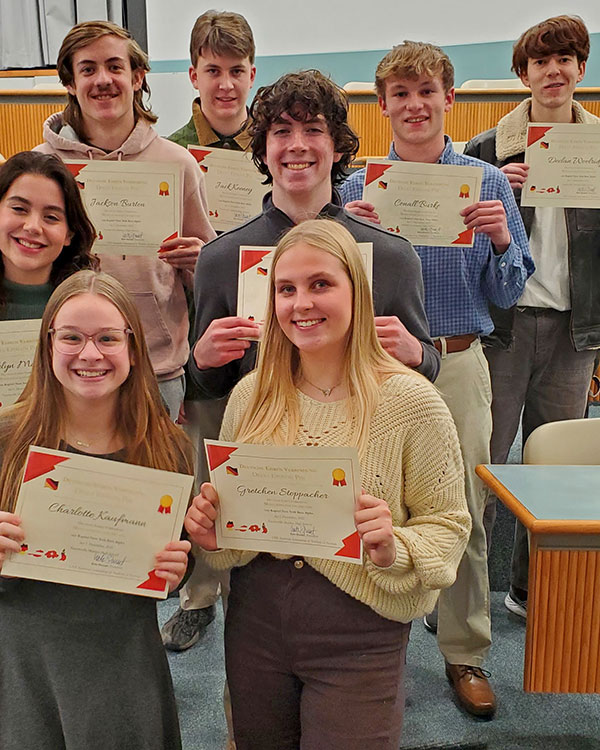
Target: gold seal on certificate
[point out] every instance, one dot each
(134, 206)
(422, 202)
(564, 166)
(292, 500)
(253, 278)
(96, 523)
(233, 185)
(18, 339)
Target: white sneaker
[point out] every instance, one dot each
(515, 605)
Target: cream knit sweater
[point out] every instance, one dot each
(414, 463)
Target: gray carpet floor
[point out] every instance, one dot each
(433, 719)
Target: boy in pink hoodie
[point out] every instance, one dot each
(104, 71)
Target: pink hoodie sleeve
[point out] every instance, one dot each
(195, 206)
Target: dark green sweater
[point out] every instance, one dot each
(24, 301)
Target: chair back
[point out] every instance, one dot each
(569, 442)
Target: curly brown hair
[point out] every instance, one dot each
(302, 96)
(560, 35)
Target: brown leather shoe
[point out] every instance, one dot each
(472, 689)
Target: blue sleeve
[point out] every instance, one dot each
(505, 275)
(352, 188)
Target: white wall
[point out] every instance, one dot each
(292, 27)
(172, 97)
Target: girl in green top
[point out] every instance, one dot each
(45, 233)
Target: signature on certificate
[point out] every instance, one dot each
(302, 529)
(106, 558)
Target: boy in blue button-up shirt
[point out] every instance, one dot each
(415, 86)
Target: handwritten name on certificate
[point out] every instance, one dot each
(18, 339)
(233, 185)
(133, 205)
(564, 166)
(422, 202)
(96, 523)
(253, 278)
(293, 500)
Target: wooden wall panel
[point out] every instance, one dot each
(21, 125)
(563, 627)
(372, 128)
(465, 119)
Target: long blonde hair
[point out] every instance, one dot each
(38, 417)
(273, 413)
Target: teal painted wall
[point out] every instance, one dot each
(489, 60)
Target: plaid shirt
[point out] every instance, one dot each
(460, 281)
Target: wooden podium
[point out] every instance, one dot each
(560, 507)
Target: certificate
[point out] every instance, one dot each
(133, 205)
(96, 523)
(253, 278)
(564, 166)
(293, 500)
(233, 185)
(18, 339)
(422, 202)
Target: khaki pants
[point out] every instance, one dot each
(464, 625)
(204, 421)
(205, 584)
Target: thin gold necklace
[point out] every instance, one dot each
(94, 442)
(325, 391)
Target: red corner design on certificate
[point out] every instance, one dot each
(350, 547)
(199, 154)
(374, 172)
(250, 258)
(218, 454)
(535, 132)
(75, 169)
(464, 238)
(40, 463)
(153, 582)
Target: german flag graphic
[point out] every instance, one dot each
(383, 185)
(262, 271)
(544, 144)
(232, 471)
(51, 484)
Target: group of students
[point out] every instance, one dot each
(314, 649)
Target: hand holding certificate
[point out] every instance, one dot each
(423, 202)
(564, 166)
(291, 500)
(96, 523)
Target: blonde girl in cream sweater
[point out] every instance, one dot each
(315, 648)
